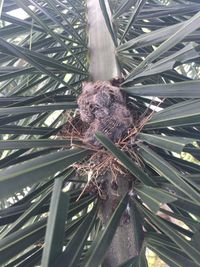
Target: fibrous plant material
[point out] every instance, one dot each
(103, 107)
(96, 167)
(74, 128)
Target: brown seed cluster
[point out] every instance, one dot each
(103, 107)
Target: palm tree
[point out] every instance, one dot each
(70, 201)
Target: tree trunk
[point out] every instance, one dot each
(103, 66)
(123, 246)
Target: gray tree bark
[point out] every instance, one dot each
(103, 64)
(123, 245)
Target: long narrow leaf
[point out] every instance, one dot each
(99, 248)
(15, 178)
(54, 236)
(169, 172)
(125, 160)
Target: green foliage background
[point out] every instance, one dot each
(43, 62)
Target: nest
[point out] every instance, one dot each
(102, 108)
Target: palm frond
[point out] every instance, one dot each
(49, 208)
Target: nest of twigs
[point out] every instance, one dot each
(100, 102)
